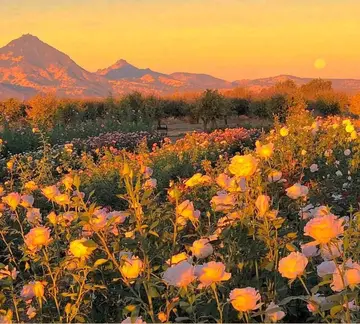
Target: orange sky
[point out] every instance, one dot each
(231, 39)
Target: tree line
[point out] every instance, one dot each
(210, 106)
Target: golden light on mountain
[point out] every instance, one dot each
(319, 64)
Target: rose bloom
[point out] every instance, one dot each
(137, 320)
(33, 215)
(30, 185)
(243, 165)
(27, 201)
(50, 192)
(13, 200)
(62, 199)
(264, 151)
(245, 299)
(349, 276)
(132, 267)
(198, 179)
(68, 182)
(324, 229)
(314, 167)
(274, 176)
(314, 302)
(162, 317)
(231, 184)
(177, 258)
(296, 191)
(284, 131)
(185, 211)
(326, 268)
(335, 251)
(273, 315)
(293, 265)
(223, 201)
(309, 250)
(82, 248)
(33, 289)
(37, 238)
(180, 275)
(262, 204)
(210, 273)
(202, 248)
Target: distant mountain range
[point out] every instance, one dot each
(29, 66)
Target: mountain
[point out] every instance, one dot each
(29, 66)
(344, 85)
(30, 63)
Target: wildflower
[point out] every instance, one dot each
(296, 191)
(50, 192)
(274, 176)
(62, 199)
(314, 302)
(284, 131)
(185, 211)
(13, 200)
(349, 128)
(333, 252)
(68, 182)
(33, 289)
(309, 250)
(31, 312)
(324, 229)
(202, 248)
(245, 299)
(264, 151)
(273, 314)
(30, 185)
(132, 267)
(137, 320)
(293, 265)
(82, 248)
(223, 201)
(262, 204)
(37, 238)
(162, 317)
(326, 268)
(243, 165)
(180, 275)
(212, 272)
(231, 184)
(27, 201)
(33, 215)
(198, 179)
(314, 168)
(177, 258)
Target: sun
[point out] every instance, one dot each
(319, 64)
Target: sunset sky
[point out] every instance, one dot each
(230, 39)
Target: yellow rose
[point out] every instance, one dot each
(13, 200)
(284, 131)
(264, 151)
(324, 229)
(211, 273)
(293, 265)
(177, 258)
(262, 204)
(37, 238)
(245, 299)
(62, 199)
(243, 165)
(132, 267)
(50, 192)
(82, 248)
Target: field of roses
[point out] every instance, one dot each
(266, 231)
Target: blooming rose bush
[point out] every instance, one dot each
(257, 236)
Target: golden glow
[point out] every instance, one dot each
(231, 39)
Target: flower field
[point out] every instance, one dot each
(230, 226)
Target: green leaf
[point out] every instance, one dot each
(335, 309)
